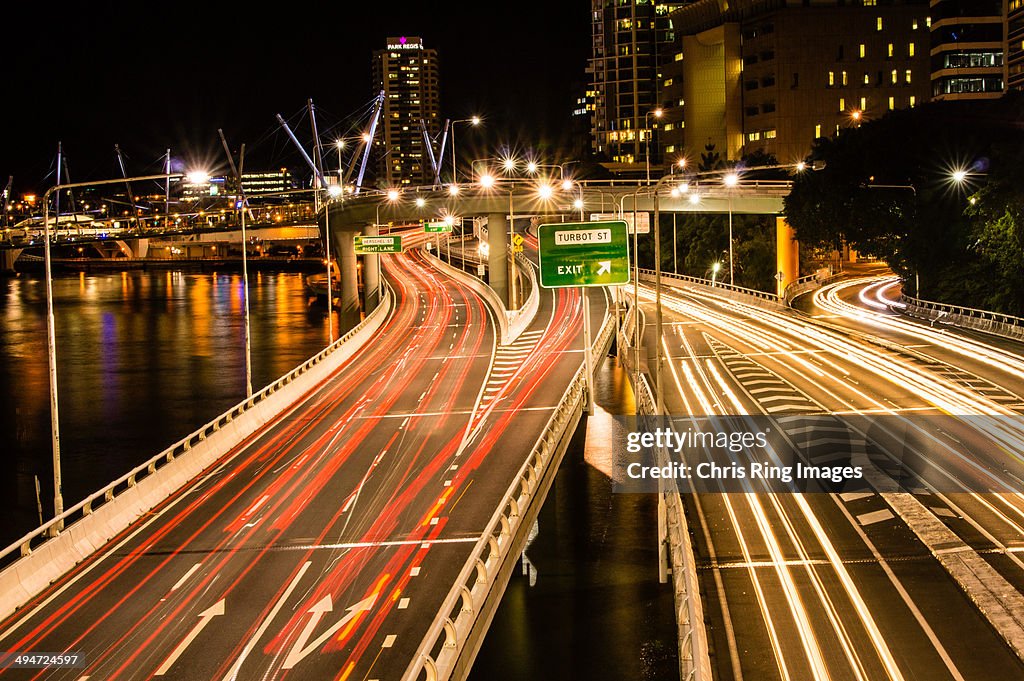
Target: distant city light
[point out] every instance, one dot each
(334, 190)
(198, 177)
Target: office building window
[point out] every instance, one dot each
(910, 50)
(878, 24)
(913, 100)
(863, 51)
(906, 76)
(831, 78)
(863, 103)
(842, 104)
(891, 50)
(867, 79)
(895, 76)
(817, 131)
(892, 103)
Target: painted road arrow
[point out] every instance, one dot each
(204, 618)
(319, 609)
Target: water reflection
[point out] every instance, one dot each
(143, 359)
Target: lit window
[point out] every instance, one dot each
(913, 100)
(844, 78)
(928, 22)
(891, 50)
(670, 148)
(906, 76)
(769, 134)
(910, 50)
(668, 82)
(842, 104)
(892, 103)
(753, 136)
(817, 131)
(831, 78)
(878, 24)
(679, 56)
(863, 103)
(914, 26)
(867, 78)
(863, 51)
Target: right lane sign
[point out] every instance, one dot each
(584, 254)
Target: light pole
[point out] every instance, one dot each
(657, 113)
(237, 171)
(51, 339)
(730, 181)
(475, 121)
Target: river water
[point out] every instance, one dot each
(143, 358)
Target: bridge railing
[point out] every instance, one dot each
(764, 296)
(969, 317)
(450, 631)
(808, 282)
(694, 657)
(54, 527)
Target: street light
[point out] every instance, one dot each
(714, 271)
(657, 113)
(51, 339)
(731, 180)
(474, 121)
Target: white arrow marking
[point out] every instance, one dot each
(322, 607)
(204, 618)
(605, 266)
(233, 674)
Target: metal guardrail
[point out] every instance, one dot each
(968, 317)
(53, 527)
(694, 657)
(448, 634)
(762, 295)
(808, 282)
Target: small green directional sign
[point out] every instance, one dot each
(378, 244)
(584, 254)
(436, 226)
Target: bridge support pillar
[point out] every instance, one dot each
(348, 296)
(787, 251)
(7, 260)
(497, 258)
(371, 274)
(139, 247)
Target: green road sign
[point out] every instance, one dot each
(584, 254)
(378, 244)
(436, 226)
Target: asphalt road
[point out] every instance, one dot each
(322, 547)
(843, 586)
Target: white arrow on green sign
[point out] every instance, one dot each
(584, 254)
(378, 244)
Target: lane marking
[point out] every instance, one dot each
(389, 641)
(875, 517)
(403, 604)
(414, 572)
(185, 576)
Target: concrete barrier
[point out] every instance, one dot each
(52, 549)
(510, 324)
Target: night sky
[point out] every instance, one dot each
(150, 76)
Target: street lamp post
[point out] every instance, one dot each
(731, 180)
(657, 113)
(51, 339)
(475, 121)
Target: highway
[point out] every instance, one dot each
(322, 547)
(867, 584)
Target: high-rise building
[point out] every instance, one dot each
(774, 75)
(1015, 45)
(267, 182)
(407, 72)
(967, 45)
(625, 67)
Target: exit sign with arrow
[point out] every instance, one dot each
(584, 254)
